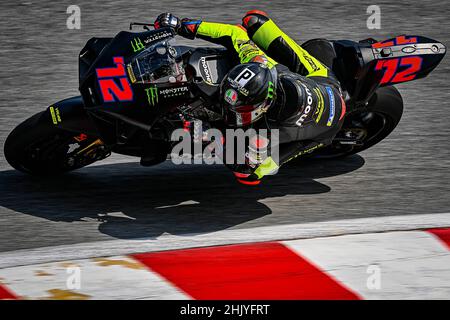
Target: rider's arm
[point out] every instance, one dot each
(279, 46)
(232, 37)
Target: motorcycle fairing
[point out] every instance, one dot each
(363, 67)
(70, 115)
(406, 58)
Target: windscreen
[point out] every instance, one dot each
(159, 63)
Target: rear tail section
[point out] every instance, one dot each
(365, 66)
(406, 58)
(368, 71)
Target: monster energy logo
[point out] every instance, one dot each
(152, 95)
(137, 45)
(270, 90)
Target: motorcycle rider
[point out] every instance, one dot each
(275, 84)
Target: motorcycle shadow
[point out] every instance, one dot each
(129, 201)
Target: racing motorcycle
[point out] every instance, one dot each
(138, 87)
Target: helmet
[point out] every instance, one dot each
(247, 92)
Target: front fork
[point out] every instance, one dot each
(83, 150)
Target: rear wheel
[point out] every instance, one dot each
(366, 127)
(38, 147)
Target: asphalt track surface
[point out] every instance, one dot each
(406, 174)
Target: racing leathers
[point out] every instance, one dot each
(308, 110)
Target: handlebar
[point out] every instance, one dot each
(144, 25)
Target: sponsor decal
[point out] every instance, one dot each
(320, 105)
(174, 92)
(131, 74)
(392, 69)
(156, 37)
(311, 62)
(332, 106)
(73, 147)
(243, 91)
(137, 45)
(401, 40)
(231, 96)
(238, 87)
(307, 110)
(244, 77)
(108, 79)
(206, 71)
(56, 117)
(81, 137)
(152, 96)
(409, 49)
(270, 90)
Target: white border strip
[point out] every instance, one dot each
(223, 237)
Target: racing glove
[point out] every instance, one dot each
(184, 27)
(167, 19)
(188, 28)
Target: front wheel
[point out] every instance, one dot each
(38, 147)
(366, 127)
